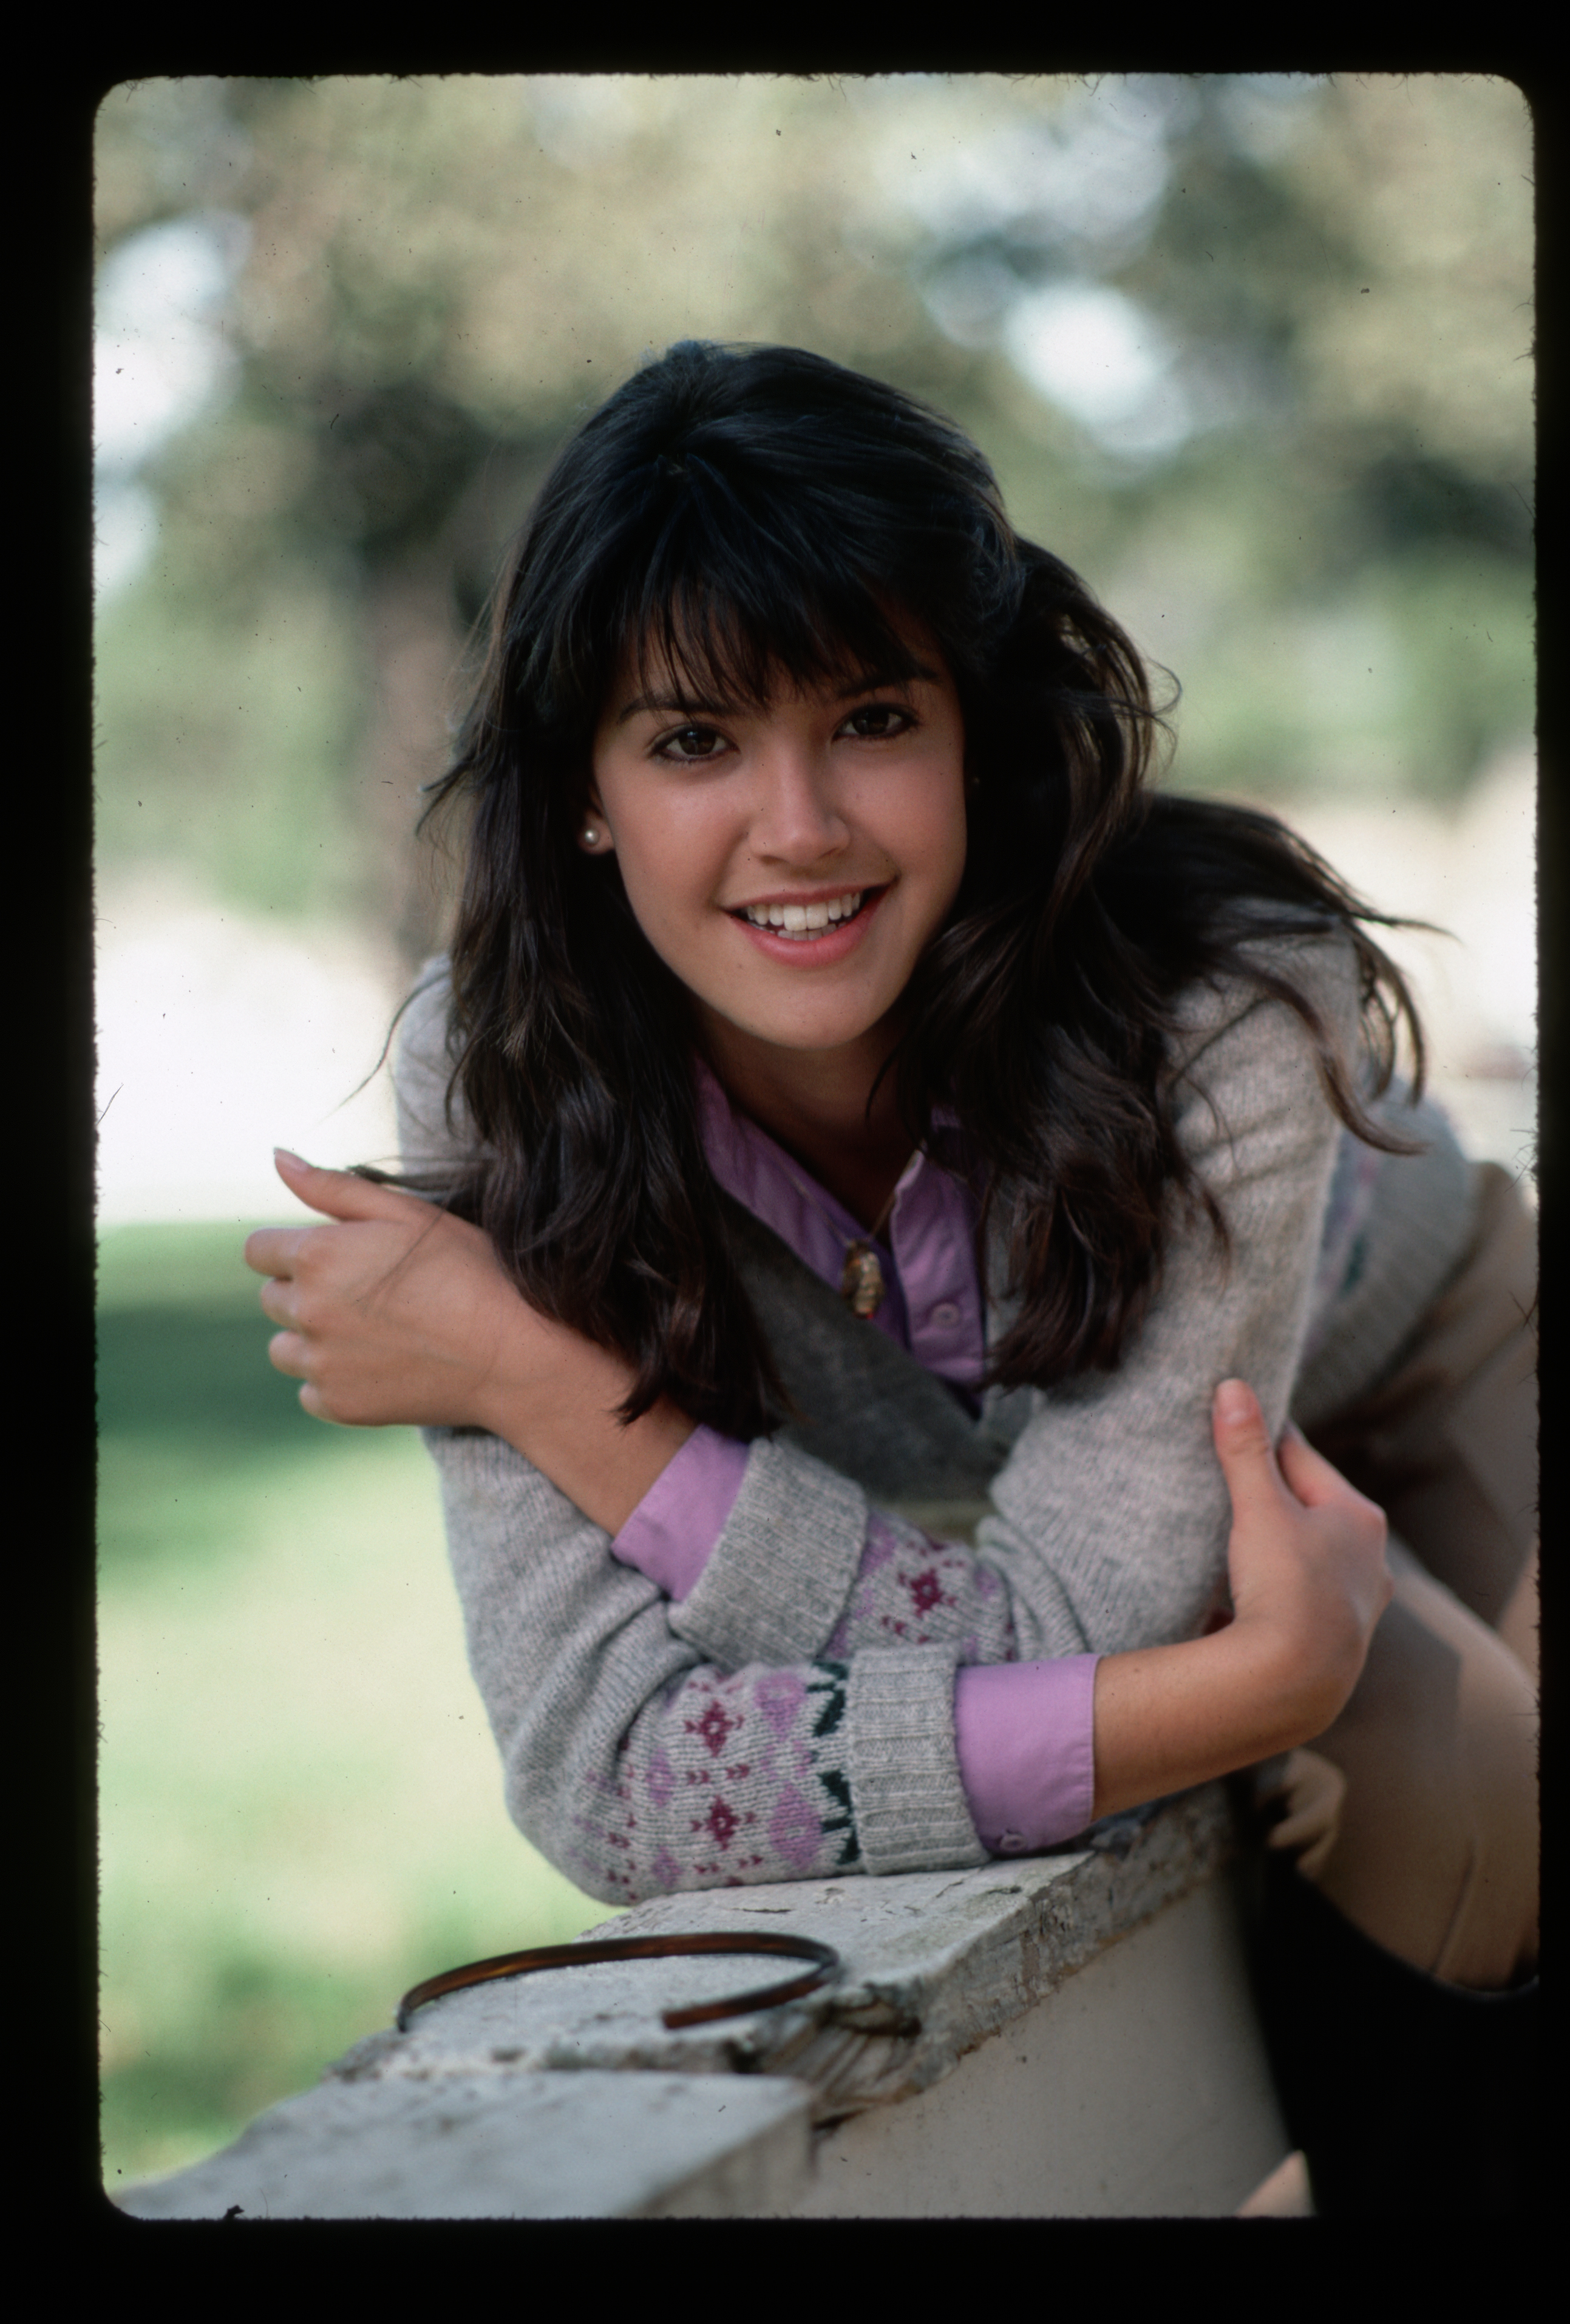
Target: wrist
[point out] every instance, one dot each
(561, 1414)
(1167, 1717)
(1297, 1675)
(1267, 1696)
(543, 1375)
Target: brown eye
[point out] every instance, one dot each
(691, 745)
(886, 719)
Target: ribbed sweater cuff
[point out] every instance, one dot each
(777, 1580)
(909, 1803)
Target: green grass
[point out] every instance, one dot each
(299, 1798)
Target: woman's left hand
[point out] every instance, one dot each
(397, 1313)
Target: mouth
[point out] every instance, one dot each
(809, 923)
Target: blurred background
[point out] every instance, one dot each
(1253, 354)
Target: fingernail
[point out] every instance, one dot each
(1232, 1400)
(283, 1154)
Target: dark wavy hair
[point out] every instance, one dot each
(741, 513)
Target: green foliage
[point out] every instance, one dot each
(1401, 683)
(227, 723)
(299, 1801)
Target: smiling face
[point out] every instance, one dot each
(788, 863)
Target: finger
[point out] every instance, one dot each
(1301, 1831)
(1237, 1415)
(313, 1401)
(273, 1250)
(340, 1195)
(288, 1352)
(1244, 1449)
(277, 1302)
(1295, 1831)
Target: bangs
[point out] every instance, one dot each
(716, 655)
(728, 604)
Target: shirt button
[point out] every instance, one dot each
(1011, 1843)
(944, 1315)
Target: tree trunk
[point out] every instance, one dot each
(415, 653)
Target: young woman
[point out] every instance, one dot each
(853, 1090)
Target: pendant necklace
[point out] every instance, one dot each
(861, 1283)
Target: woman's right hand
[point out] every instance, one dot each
(393, 1312)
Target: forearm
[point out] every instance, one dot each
(547, 1391)
(874, 1579)
(1167, 1717)
(642, 1761)
(566, 1426)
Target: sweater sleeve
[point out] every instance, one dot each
(769, 1555)
(639, 1767)
(1024, 1732)
(906, 1588)
(671, 1534)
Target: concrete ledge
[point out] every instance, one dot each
(933, 1963)
(1136, 2088)
(489, 2146)
(1000, 2040)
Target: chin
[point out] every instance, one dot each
(823, 1037)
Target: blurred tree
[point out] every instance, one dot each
(1253, 354)
(1327, 482)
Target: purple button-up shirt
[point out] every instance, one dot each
(1024, 1731)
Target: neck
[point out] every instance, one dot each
(814, 1103)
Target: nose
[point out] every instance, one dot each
(799, 819)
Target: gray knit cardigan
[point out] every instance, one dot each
(793, 1716)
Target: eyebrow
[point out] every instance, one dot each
(677, 704)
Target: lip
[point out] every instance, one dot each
(835, 944)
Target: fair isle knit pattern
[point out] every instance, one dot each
(793, 1717)
(727, 1780)
(707, 1777)
(911, 1590)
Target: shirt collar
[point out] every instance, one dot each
(754, 1169)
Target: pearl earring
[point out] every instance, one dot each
(590, 837)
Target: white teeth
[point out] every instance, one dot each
(805, 920)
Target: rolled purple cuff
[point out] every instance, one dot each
(1024, 1734)
(672, 1533)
